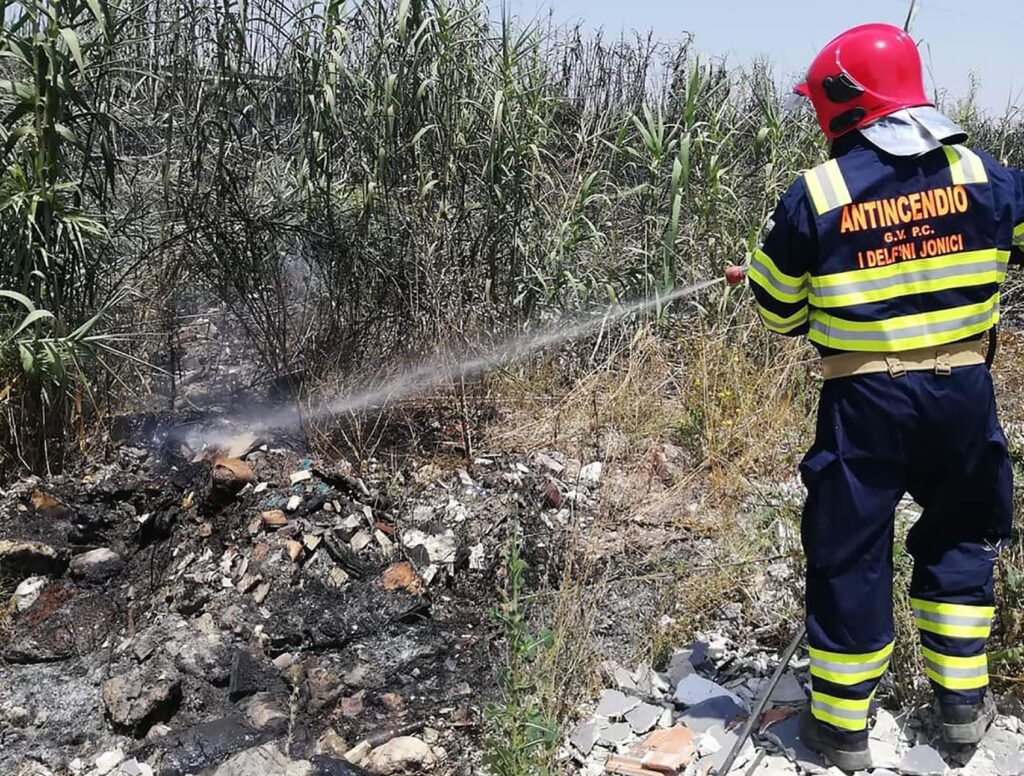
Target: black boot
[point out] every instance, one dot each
(848, 752)
(965, 724)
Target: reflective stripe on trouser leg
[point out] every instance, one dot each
(842, 713)
(956, 673)
(848, 670)
(952, 645)
(959, 621)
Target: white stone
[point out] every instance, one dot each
(293, 503)
(360, 540)
(590, 474)
(405, 753)
(549, 463)
(707, 744)
(266, 760)
(300, 476)
(107, 761)
(422, 513)
(440, 548)
(27, 592)
(477, 558)
(134, 768)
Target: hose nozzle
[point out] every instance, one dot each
(735, 275)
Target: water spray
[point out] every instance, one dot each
(438, 371)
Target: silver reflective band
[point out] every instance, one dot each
(779, 285)
(831, 195)
(912, 276)
(952, 619)
(838, 711)
(965, 165)
(849, 668)
(918, 330)
(956, 673)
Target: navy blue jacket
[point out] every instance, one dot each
(878, 253)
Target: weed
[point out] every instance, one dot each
(521, 738)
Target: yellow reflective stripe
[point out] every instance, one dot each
(906, 332)
(956, 610)
(965, 165)
(951, 661)
(1003, 262)
(954, 631)
(848, 679)
(955, 620)
(938, 273)
(841, 712)
(777, 323)
(827, 188)
(835, 177)
(847, 669)
(844, 657)
(957, 683)
(775, 282)
(956, 673)
(1018, 234)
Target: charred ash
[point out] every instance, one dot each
(248, 608)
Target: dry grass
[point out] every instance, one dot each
(738, 410)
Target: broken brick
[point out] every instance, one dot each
(402, 576)
(663, 751)
(274, 518)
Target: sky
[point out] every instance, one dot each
(957, 38)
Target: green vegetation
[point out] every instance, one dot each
(522, 738)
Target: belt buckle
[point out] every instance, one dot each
(895, 366)
(942, 365)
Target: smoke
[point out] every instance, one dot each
(430, 374)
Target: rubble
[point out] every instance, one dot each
(615, 705)
(922, 760)
(400, 754)
(265, 760)
(27, 592)
(138, 699)
(590, 475)
(96, 566)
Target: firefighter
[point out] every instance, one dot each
(889, 257)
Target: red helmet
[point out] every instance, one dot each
(862, 75)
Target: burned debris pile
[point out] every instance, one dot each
(257, 614)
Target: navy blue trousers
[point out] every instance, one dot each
(937, 438)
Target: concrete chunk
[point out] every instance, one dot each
(923, 760)
(714, 712)
(695, 689)
(643, 717)
(615, 705)
(585, 736)
(615, 734)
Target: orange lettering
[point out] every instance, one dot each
(892, 215)
(928, 204)
(960, 198)
(915, 206)
(859, 221)
(847, 224)
(869, 208)
(903, 204)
